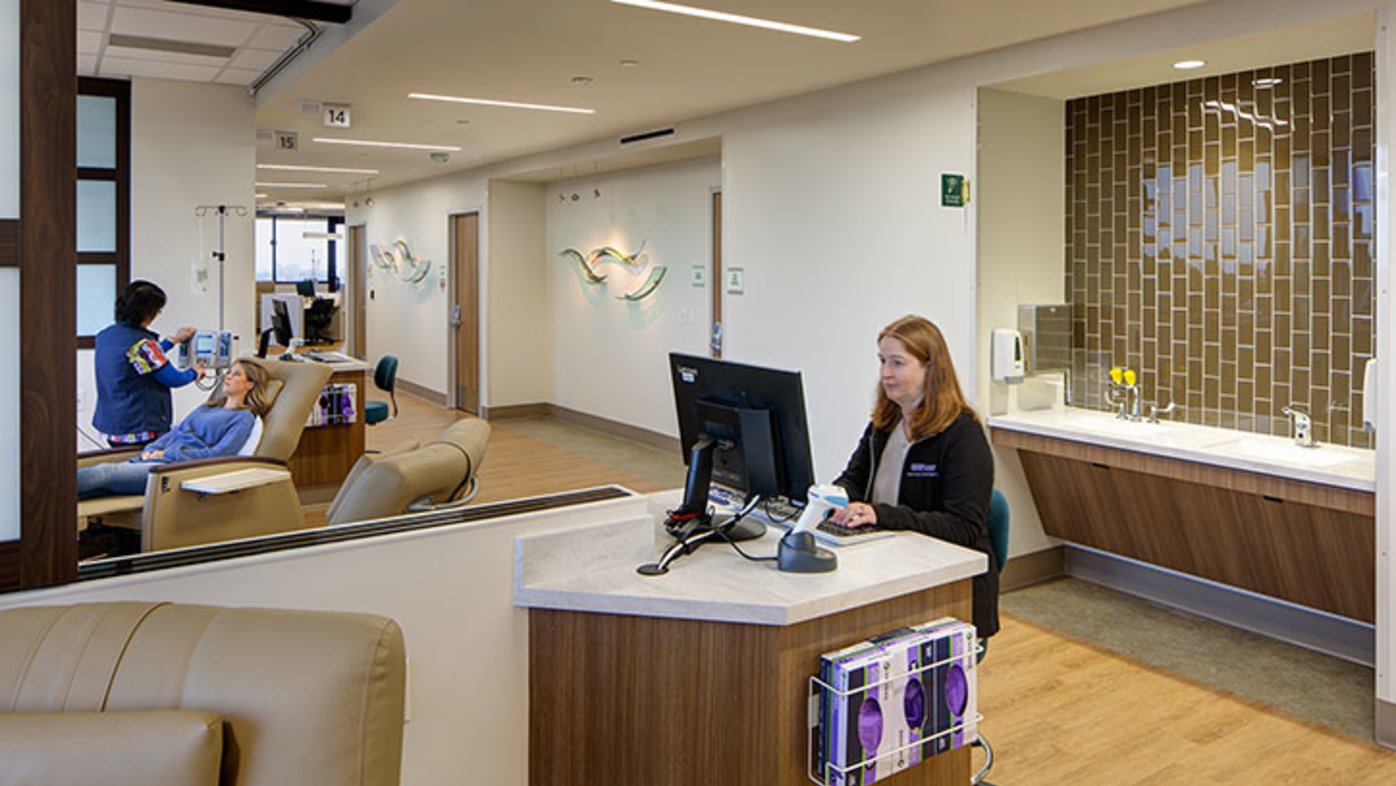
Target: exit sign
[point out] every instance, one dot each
(336, 116)
(954, 190)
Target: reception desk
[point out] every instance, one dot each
(701, 676)
(327, 452)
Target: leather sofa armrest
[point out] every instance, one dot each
(145, 748)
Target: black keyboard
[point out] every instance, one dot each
(830, 532)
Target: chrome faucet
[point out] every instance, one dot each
(1303, 426)
(1155, 411)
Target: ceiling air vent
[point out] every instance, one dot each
(167, 45)
(646, 135)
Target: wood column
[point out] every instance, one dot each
(48, 309)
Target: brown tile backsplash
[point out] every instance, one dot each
(1220, 242)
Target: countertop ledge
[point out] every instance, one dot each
(1328, 464)
(593, 569)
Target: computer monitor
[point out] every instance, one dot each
(742, 427)
(281, 322)
(306, 288)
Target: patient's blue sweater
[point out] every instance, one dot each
(205, 433)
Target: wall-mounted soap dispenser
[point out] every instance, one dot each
(1006, 355)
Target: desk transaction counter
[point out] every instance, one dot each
(701, 676)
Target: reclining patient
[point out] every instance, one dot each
(220, 427)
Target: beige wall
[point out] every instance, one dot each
(519, 349)
(1021, 200)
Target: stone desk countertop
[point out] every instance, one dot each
(1330, 465)
(593, 569)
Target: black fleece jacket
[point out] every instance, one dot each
(945, 487)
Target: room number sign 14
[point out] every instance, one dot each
(336, 116)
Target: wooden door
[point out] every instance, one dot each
(715, 279)
(358, 291)
(465, 310)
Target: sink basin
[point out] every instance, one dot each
(1287, 453)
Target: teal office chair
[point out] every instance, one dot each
(385, 379)
(998, 541)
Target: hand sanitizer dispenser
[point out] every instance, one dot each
(1006, 355)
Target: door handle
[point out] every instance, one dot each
(716, 341)
(455, 315)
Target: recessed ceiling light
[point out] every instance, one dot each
(738, 19)
(629, 63)
(261, 195)
(506, 104)
(1188, 65)
(331, 169)
(291, 185)
(582, 80)
(1268, 81)
(328, 140)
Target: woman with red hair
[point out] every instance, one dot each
(923, 463)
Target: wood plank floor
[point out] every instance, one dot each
(1057, 709)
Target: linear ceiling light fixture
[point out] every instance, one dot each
(738, 19)
(290, 185)
(338, 170)
(329, 140)
(506, 104)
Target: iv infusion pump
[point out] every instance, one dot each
(211, 348)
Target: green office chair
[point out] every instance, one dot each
(998, 541)
(385, 379)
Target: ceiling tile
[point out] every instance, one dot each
(276, 37)
(238, 76)
(181, 27)
(258, 59)
(87, 65)
(120, 66)
(92, 16)
(89, 42)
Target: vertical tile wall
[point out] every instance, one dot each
(1220, 242)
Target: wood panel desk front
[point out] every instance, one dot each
(702, 676)
(327, 453)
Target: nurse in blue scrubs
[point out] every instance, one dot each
(134, 372)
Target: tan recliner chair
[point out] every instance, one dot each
(170, 517)
(411, 479)
(155, 694)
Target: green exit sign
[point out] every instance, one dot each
(954, 190)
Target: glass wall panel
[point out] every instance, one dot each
(264, 248)
(9, 110)
(96, 215)
(96, 297)
(9, 404)
(97, 132)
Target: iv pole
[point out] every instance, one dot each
(222, 212)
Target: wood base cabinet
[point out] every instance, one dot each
(1308, 544)
(648, 701)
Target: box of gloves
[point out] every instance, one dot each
(890, 702)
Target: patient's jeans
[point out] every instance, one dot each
(108, 480)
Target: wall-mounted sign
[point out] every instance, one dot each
(335, 116)
(954, 190)
(699, 276)
(287, 140)
(736, 281)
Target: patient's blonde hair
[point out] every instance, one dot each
(256, 399)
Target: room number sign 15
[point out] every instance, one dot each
(336, 116)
